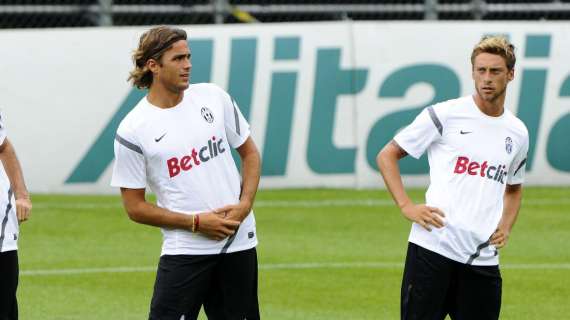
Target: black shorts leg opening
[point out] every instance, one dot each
(234, 289)
(181, 283)
(479, 291)
(9, 271)
(425, 284)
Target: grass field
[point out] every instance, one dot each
(324, 254)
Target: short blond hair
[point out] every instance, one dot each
(152, 45)
(498, 45)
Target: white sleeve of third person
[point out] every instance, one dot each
(237, 128)
(518, 166)
(129, 169)
(421, 133)
(2, 130)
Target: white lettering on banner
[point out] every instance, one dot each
(384, 73)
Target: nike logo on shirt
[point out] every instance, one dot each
(465, 132)
(159, 138)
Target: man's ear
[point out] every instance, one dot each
(152, 65)
(511, 74)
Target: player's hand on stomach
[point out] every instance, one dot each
(23, 209)
(424, 215)
(235, 212)
(215, 226)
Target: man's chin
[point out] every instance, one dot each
(489, 97)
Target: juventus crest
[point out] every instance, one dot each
(207, 115)
(509, 145)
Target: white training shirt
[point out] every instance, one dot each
(472, 157)
(183, 154)
(9, 227)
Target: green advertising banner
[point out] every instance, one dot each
(322, 98)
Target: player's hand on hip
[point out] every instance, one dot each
(215, 226)
(424, 215)
(499, 238)
(23, 209)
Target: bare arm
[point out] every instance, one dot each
(512, 203)
(251, 167)
(387, 161)
(16, 177)
(141, 211)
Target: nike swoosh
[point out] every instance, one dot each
(465, 132)
(159, 138)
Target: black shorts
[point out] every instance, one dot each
(8, 284)
(434, 286)
(225, 284)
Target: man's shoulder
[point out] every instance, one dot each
(204, 88)
(453, 104)
(515, 123)
(134, 118)
(208, 93)
(445, 109)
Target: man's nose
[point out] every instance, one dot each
(187, 64)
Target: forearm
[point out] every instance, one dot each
(387, 161)
(251, 167)
(424, 215)
(147, 213)
(208, 224)
(250, 178)
(13, 170)
(511, 207)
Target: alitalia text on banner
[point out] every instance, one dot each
(321, 98)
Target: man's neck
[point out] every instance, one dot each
(493, 108)
(163, 98)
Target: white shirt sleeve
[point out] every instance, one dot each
(420, 134)
(129, 169)
(237, 128)
(2, 130)
(518, 166)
